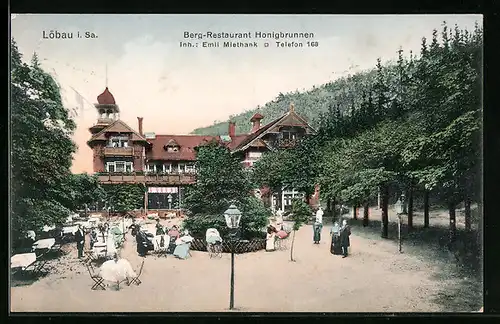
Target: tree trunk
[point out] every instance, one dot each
(308, 199)
(385, 211)
(328, 206)
(366, 212)
(453, 220)
(355, 212)
(468, 215)
(291, 248)
(426, 209)
(410, 207)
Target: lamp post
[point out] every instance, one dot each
(169, 198)
(233, 217)
(400, 210)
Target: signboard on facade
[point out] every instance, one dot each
(162, 190)
(149, 135)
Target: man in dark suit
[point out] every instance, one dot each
(80, 240)
(345, 232)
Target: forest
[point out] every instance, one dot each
(412, 127)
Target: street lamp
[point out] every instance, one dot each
(233, 217)
(169, 198)
(400, 210)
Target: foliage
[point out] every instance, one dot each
(42, 148)
(270, 170)
(83, 190)
(301, 212)
(124, 197)
(292, 167)
(221, 181)
(413, 122)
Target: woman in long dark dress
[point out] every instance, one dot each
(335, 247)
(317, 232)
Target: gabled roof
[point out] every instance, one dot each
(289, 118)
(236, 140)
(172, 142)
(118, 126)
(186, 143)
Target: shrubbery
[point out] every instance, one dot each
(221, 181)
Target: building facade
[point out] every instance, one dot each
(165, 164)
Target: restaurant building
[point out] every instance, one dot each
(165, 164)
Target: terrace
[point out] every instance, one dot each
(147, 178)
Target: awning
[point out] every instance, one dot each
(162, 189)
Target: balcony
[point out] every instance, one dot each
(149, 179)
(118, 151)
(284, 142)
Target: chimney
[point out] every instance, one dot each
(232, 129)
(256, 122)
(139, 119)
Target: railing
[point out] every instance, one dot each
(118, 151)
(171, 179)
(285, 142)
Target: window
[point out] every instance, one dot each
(167, 168)
(118, 141)
(119, 166)
(150, 167)
(172, 149)
(254, 155)
(289, 135)
(190, 168)
(181, 167)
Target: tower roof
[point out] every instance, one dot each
(106, 98)
(255, 117)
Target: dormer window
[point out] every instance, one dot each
(172, 149)
(172, 146)
(118, 141)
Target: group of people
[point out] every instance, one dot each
(145, 243)
(276, 231)
(339, 234)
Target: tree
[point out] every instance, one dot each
(221, 181)
(42, 148)
(83, 190)
(122, 198)
(300, 215)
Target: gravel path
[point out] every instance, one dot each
(374, 278)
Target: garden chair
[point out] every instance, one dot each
(281, 243)
(37, 266)
(214, 250)
(98, 280)
(162, 250)
(136, 279)
(89, 256)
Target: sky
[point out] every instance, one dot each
(177, 89)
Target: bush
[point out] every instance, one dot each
(253, 221)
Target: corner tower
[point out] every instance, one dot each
(107, 109)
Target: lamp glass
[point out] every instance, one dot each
(233, 217)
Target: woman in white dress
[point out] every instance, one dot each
(271, 239)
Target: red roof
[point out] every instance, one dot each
(255, 117)
(187, 144)
(106, 98)
(236, 140)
